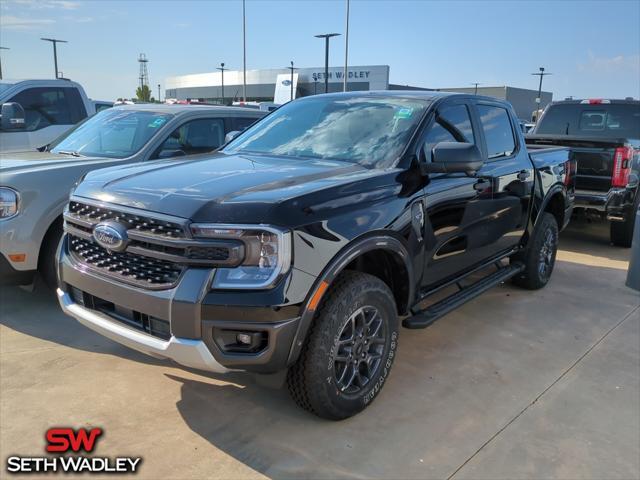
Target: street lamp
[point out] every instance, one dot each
(55, 41)
(540, 74)
(222, 69)
(292, 68)
(475, 92)
(159, 99)
(346, 49)
(2, 48)
(326, 37)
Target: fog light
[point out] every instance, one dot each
(243, 338)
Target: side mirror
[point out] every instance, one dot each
(231, 135)
(12, 116)
(451, 157)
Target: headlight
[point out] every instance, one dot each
(8, 203)
(267, 254)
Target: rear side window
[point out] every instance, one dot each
(452, 124)
(45, 106)
(600, 120)
(498, 133)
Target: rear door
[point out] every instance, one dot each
(510, 171)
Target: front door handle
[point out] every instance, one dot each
(524, 175)
(481, 185)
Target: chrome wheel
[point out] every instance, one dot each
(358, 355)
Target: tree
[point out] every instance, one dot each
(143, 94)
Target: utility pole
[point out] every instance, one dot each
(244, 54)
(292, 68)
(540, 74)
(326, 37)
(346, 50)
(475, 92)
(55, 41)
(2, 48)
(222, 69)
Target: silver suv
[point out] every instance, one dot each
(34, 186)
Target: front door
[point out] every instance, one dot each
(460, 208)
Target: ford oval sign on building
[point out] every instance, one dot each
(111, 235)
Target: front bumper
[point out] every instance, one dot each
(186, 352)
(11, 276)
(196, 318)
(615, 204)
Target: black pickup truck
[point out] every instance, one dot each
(298, 246)
(604, 137)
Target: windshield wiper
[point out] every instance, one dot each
(69, 152)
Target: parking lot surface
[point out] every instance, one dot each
(515, 384)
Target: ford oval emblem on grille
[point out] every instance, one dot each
(111, 235)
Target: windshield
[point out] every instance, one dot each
(599, 120)
(112, 133)
(368, 130)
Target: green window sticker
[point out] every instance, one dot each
(158, 122)
(404, 112)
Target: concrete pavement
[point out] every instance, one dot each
(516, 384)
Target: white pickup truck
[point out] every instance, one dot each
(51, 107)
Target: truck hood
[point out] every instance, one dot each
(247, 188)
(34, 160)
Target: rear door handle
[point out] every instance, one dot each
(481, 185)
(524, 175)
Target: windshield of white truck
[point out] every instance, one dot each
(596, 120)
(369, 130)
(112, 133)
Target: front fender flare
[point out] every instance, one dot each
(334, 268)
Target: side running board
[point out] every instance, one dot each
(426, 317)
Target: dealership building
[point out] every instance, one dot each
(261, 85)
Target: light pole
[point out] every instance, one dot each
(346, 50)
(2, 48)
(475, 92)
(244, 54)
(222, 69)
(540, 74)
(55, 41)
(326, 37)
(292, 68)
(159, 99)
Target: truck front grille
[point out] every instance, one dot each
(140, 223)
(157, 250)
(131, 268)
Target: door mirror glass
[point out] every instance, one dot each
(450, 157)
(12, 116)
(231, 135)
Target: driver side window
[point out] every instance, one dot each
(452, 124)
(197, 136)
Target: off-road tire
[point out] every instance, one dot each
(539, 257)
(312, 380)
(621, 233)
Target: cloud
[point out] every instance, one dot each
(40, 4)
(70, 18)
(615, 64)
(182, 25)
(11, 22)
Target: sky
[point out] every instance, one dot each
(592, 48)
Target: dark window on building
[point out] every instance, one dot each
(197, 136)
(45, 106)
(452, 124)
(498, 133)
